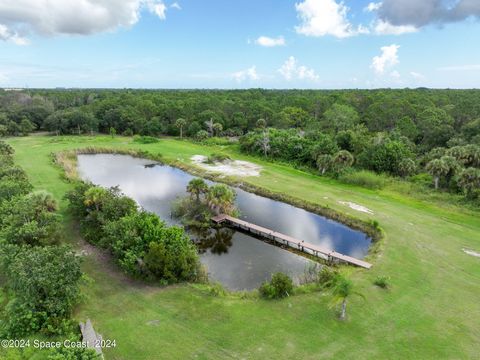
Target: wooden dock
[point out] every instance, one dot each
(291, 242)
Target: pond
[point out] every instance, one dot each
(235, 259)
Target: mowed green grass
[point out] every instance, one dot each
(432, 310)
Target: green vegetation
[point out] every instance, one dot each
(203, 203)
(41, 280)
(142, 243)
(342, 290)
(394, 132)
(382, 281)
(145, 139)
(44, 282)
(365, 178)
(280, 286)
(217, 157)
(425, 232)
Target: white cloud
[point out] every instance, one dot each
(325, 17)
(472, 67)
(291, 70)
(387, 59)
(176, 5)
(385, 28)
(270, 42)
(371, 7)
(158, 8)
(82, 17)
(417, 76)
(247, 74)
(7, 35)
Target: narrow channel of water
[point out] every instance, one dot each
(235, 259)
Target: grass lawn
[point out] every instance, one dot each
(432, 310)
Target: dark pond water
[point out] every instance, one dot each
(235, 259)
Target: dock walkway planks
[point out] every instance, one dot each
(290, 241)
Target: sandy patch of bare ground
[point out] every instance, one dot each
(228, 167)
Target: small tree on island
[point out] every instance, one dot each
(221, 198)
(197, 187)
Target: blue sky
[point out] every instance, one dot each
(239, 44)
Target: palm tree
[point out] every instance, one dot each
(43, 201)
(95, 196)
(221, 198)
(436, 168)
(180, 123)
(446, 167)
(261, 123)
(217, 128)
(324, 161)
(406, 167)
(452, 165)
(342, 159)
(469, 181)
(197, 187)
(342, 290)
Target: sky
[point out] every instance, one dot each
(311, 44)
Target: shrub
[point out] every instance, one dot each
(326, 276)
(128, 132)
(73, 353)
(217, 157)
(201, 135)
(214, 140)
(5, 149)
(375, 224)
(216, 289)
(280, 286)
(145, 139)
(45, 283)
(382, 281)
(31, 220)
(364, 178)
(423, 179)
(9, 188)
(146, 247)
(96, 206)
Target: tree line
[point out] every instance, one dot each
(40, 277)
(394, 132)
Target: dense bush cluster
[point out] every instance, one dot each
(143, 245)
(41, 279)
(280, 286)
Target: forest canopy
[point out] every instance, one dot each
(402, 133)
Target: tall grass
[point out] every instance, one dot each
(365, 178)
